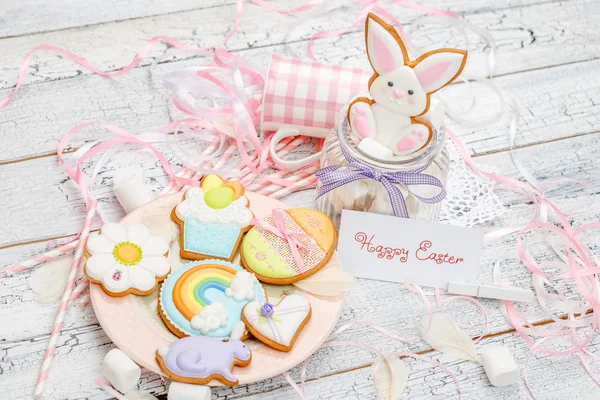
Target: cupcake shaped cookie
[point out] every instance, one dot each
(206, 298)
(212, 219)
(289, 245)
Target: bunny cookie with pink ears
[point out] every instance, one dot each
(400, 89)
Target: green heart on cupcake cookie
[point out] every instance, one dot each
(219, 194)
(219, 197)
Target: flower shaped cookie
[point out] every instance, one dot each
(127, 259)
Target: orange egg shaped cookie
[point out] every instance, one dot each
(289, 245)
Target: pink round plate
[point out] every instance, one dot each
(133, 324)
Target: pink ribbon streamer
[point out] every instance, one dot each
(301, 390)
(579, 275)
(439, 304)
(89, 66)
(373, 6)
(244, 114)
(294, 239)
(105, 385)
(121, 137)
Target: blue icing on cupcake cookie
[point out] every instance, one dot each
(210, 239)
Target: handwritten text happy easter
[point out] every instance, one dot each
(423, 252)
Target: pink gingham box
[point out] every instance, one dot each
(306, 95)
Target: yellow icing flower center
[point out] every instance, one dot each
(127, 253)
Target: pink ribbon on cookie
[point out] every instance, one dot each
(293, 239)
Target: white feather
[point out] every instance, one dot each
(445, 336)
(49, 280)
(389, 377)
(327, 282)
(238, 331)
(139, 396)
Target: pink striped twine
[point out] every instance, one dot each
(265, 188)
(305, 183)
(173, 186)
(286, 146)
(226, 156)
(41, 258)
(64, 303)
(79, 289)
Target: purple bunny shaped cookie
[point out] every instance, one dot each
(200, 359)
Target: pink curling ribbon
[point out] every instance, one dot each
(439, 304)
(121, 137)
(301, 390)
(578, 264)
(89, 66)
(263, 4)
(373, 6)
(295, 240)
(581, 268)
(244, 114)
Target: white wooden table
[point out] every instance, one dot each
(547, 59)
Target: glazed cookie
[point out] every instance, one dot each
(205, 298)
(289, 245)
(126, 259)
(212, 219)
(278, 325)
(400, 90)
(198, 360)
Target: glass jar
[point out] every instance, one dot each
(369, 195)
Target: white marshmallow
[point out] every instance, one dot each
(375, 149)
(346, 196)
(381, 204)
(130, 189)
(185, 391)
(120, 371)
(499, 365)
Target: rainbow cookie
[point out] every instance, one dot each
(212, 219)
(289, 245)
(205, 298)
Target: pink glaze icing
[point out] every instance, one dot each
(433, 73)
(362, 126)
(406, 143)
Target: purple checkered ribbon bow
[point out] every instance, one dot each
(332, 177)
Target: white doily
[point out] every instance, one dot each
(471, 200)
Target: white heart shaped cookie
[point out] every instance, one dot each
(277, 325)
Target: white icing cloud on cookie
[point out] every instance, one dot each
(210, 318)
(194, 207)
(241, 286)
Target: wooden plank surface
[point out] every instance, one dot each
(61, 102)
(30, 16)
(542, 122)
(547, 59)
(360, 303)
(550, 378)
